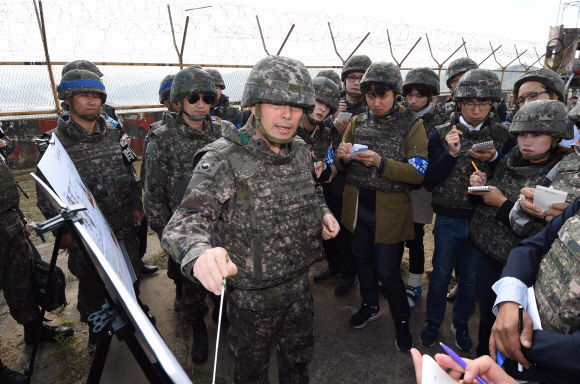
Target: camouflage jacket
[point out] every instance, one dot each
(169, 166)
(167, 115)
(452, 192)
(557, 285)
(450, 107)
(318, 142)
(263, 208)
(496, 239)
(225, 111)
(386, 136)
(11, 216)
(568, 177)
(354, 107)
(432, 119)
(98, 159)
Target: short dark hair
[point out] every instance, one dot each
(377, 89)
(573, 97)
(422, 89)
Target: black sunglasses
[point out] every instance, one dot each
(194, 98)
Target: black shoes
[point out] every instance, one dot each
(199, 347)
(178, 296)
(325, 274)
(345, 287)
(47, 333)
(365, 314)
(8, 376)
(404, 341)
(462, 338)
(430, 332)
(148, 269)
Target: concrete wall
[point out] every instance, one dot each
(23, 132)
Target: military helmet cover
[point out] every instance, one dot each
(457, 67)
(77, 81)
(81, 64)
(384, 73)
(327, 92)
(165, 88)
(423, 76)
(332, 75)
(358, 63)
(546, 117)
(478, 84)
(217, 78)
(279, 80)
(574, 115)
(549, 78)
(191, 80)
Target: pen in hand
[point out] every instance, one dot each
(520, 329)
(461, 362)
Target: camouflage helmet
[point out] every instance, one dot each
(279, 80)
(81, 64)
(327, 92)
(191, 80)
(457, 67)
(165, 88)
(478, 84)
(359, 63)
(384, 73)
(547, 117)
(77, 81)
(574, 115)
(549, 78)
(217, 78)
(423, 76)
(329, 73)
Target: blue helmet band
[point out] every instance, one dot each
(165, 86)
(81, 83)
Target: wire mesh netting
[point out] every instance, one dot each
(224, 35)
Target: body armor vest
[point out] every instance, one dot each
(568, 178)
(225, 111)
(452, 192)
(557, 284)
(275, 232)
(494, 238)
(9, 196)
(433, 118)
(386, 136)
(319, 143)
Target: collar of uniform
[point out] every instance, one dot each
(258, 147)
(71, 128)
(529, 170)
(426, 109)
(185, 130)
(392, 112)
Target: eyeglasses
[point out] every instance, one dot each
(353, 79)
(530, 97)
(482, 107)
(194, 98)
(280, 107)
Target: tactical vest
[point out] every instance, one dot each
(152, 127)
(319, 143)
(568, 178)
(494, 238)
(275, 231)
(452, 192)
(557, 284)
(386, 136)
(9, 197)
(357, 107)
(181, 148)
(433, 118)
(225, 111)
(100, 165)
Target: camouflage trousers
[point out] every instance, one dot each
(90, 296)
(15, 280)
(193, 305)
(251, 334)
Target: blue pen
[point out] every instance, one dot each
(461, 362)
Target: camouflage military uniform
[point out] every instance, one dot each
(227, 112)
(116, 187)
(456, 67)
(318, 141)
(14, 262)
(169, 169)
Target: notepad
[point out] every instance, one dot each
(432, 373)
(543, 197)
(358, 148)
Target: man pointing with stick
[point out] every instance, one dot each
(252, 200)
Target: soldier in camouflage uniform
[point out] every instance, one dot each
(252, 200)
(338, 252)
(312, 129)
(169, 169)
(221, 109)
(93, 145)
(538, 127)
(377, 209)
(419, 88)
(15, 278)
(332, 75)
(455, 70)
(450, 165)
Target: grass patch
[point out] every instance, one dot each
(74, 363)
(159, 260)
(67, 323)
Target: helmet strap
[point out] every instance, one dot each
(555, 142)
(313, 121)
(257, 117)
(86, 117)
(194, 118)
(355, 95)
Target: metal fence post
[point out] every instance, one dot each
(407, 55)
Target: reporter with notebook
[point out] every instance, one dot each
(538, 127)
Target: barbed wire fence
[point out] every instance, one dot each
(136, 43)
